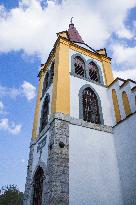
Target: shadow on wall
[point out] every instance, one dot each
(125, 145)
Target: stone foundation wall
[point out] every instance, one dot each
(56, 182)
(28, 185)
(58, 164)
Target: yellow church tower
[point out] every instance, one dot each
(80, 114)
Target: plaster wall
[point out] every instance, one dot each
(116, 86)
(131, 96)
(119, 91)
(125, 141)
(93, 170)
(44, 154)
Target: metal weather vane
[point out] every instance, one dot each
(71, 20)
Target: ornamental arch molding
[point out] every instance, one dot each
(99, 70)
(73, 62)
(40, 166)
(81, 102)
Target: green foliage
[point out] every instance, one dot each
(10, 195)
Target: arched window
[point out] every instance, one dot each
(93, 72)
(90, 106)
(126, 103)
(45, 113)
(38, 186)
(52, 72)
(116, 106)
(79, 66)
(45, 83)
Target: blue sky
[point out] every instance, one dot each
(27, 32)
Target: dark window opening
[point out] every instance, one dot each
(45, 83)
(90, 106)
(93, 72)
(52, 72)
(38, 186)
(79, 66)
(44, 114)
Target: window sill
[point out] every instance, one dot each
(87, 79)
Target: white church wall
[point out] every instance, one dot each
(132, 84)
(131, 96)
(75, 85)
(93, 170)
(116, 86)
(119, 91)
(43, 156)
(125, 141)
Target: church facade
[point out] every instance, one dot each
(82, 150)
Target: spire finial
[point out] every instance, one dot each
(71, 20)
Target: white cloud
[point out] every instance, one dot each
(11, 127)
(26, 89)
(1, 106)
(29, 90)
(125, 33)
(12, 92)
(124, 54)
(124, 59)
(2, 109)
(125, 74)
(33, 28)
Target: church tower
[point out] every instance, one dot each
(72, 156)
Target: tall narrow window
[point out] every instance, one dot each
(52, 72)
(79, 66)
(93, 72)
(45, 83)
(116, 106)
(38, 187)
(44, 114)
(90, 106)
(126, 103)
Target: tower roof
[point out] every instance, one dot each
(73, 34)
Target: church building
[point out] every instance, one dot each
(83, 146)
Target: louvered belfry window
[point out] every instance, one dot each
(90, 106)
(93, 72)
(44, 114)
(38, 187)
(79, 66)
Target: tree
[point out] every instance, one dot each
(10, 195)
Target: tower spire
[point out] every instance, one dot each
(73, 33)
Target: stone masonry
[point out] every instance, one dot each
(58, 164)
(28, 186)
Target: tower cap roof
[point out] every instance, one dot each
(73, 34)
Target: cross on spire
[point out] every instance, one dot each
(71, 20)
